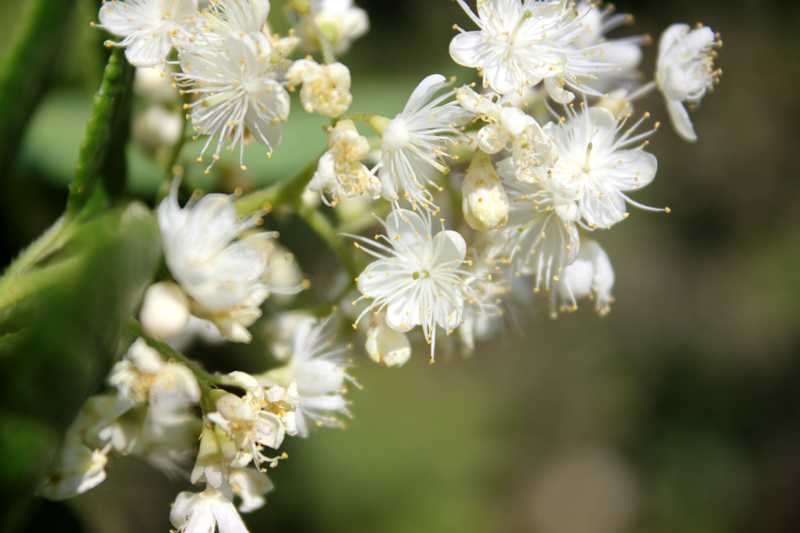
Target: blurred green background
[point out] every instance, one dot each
(680, 411)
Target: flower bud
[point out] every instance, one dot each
(165, 310)
(301, 6)
(485, 202)
(210, 464)
(385, 345)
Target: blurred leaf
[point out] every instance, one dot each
(102, 157)
(72, 326)
(26, 68)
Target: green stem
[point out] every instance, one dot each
(325, 230)
(286, 192)
(358, 117)
(324, 42)
(167, 351)
(170, 170)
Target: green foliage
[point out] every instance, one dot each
(26, 68)
(64, 301)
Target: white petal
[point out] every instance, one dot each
(676, 85)
(464, 48)
(424, 91)
(556, 92)
(680, 120)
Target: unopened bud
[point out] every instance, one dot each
(485, 202)
(379, 124)
(165, 310)
(209, 466)
(385, 345)
(301, 6)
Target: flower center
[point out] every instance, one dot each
(423, 275)
(587, 167)
(525, 16)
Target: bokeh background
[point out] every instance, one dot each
(680, 411)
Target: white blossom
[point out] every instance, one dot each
(204, 512)
(414, 143)
(541, 236)
(210, 466)
(625, 53)
(509, 128)
(524, 42)
(78, 469)
(600, 158)
(685, 71)
(237, 93)
(326, 88)
(416, 276)
(236, 17)
(148, 27)
(250, 485)
(591, 275)
(317, 367)
(339, 21)
(144, 376)
(258, 419)
(340, 171)
(224, 277)
(386, 345)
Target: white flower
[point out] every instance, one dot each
(204, 512)
(590, 275)
(165, 310)
(149, 27)
(509, 128)
(260, 418)
(235, 16)
(340, 171)
(319, 372)
(541, 236)
(414, 142)
(78, 469)
(326, 88)
(685, 71)
(416, 276)
(386, 345)
(210, 466)
(625, 53)
(250, 485)
(338, 20)
(600, 158)
(223, 276)
(144, 376)
(234, 80)
(485, 202)
(522, 42)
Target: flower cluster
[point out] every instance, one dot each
(543, 152)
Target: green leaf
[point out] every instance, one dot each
(100, 173)
(26, 68)
(59, 339)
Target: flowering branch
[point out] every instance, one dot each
(171, 353)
